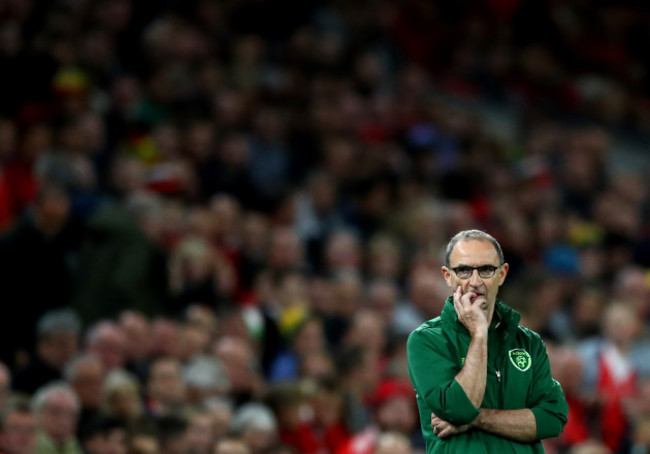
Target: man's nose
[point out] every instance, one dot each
(474, 279)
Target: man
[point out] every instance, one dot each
(166, 394)
(56, 409)
(483, 382)
(17, 426)
(57, 341)
(85, 374)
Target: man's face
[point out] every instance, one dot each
(58, 417)
(19, 433)
(476, 253)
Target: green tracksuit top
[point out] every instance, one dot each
(518, 376)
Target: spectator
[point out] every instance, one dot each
(56, 410)
(393, 410)
(121, 397)
(18, 429)
(257, 426)
(221, 410)
(424, 294)
(86, 374)
(205, 377)
(242, 368)
(199, 434)
(102, 435)
(57, 334)
(165, 390)
(610, 374)
(304, 339)
(106, 340)
(35, 266)
(138, 342)
(165, 337)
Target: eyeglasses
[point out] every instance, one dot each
(484, 271)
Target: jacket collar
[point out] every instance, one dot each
(505, 318)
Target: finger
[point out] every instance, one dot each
(458, 293)
(458, 305)
(468, 298)
(445, 432)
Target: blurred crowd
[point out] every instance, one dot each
(220, 220)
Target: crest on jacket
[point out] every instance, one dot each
(520, 359)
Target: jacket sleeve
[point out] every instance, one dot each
(432, 367)
(546, 398)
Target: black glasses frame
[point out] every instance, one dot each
(484, 271)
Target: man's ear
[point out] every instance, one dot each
(446, 274)
(503, 273)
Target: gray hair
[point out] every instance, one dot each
(469, 235)
(254, 415)
(57, 320)
(206, 373)
(118, 379)
(45, 392)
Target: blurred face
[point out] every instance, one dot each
(165, 382)
(397, 414)
(88, 383)
(18, 435)
(285, 251)
(343, 253)
(58, 417)
(58, 347)
(221, 417)
(382, 300)
(310, 338)
(110, 347)
(476, 253)
(258, 439)
(137, 333)
(165, 337)
(426, 292)
(620, 324)
(124, 403)
(199, 434)
(237, 357)
(52, 211)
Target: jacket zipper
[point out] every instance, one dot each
(498, 374)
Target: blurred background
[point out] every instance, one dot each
(220, 220)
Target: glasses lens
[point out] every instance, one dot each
(486, 271)
(465, 272)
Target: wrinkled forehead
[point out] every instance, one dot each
(474, 253)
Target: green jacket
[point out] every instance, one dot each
(45, 445)
(518, 376)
